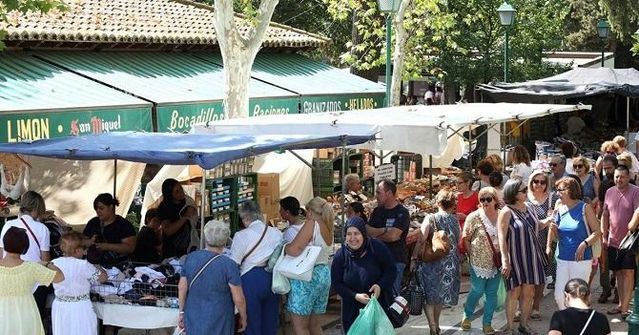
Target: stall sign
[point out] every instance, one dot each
(384, 171)
(43, 125)
(336, 103)
(181, 118)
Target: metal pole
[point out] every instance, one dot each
(506, 56)
(627, 114)
(430, 175)
(389, 32)
(202, 204)
(344, 167)
(602, 54)
(115, 177)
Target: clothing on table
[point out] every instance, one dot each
(567, 270)
(619, 207)
(481, 254)
(441, 278)
(527, 260)
(146, 247)
(311, 297)
(571, 321)
(588, 188)
(478, 287)
(351, 275)
(572, 231)
(114, 232)
(72, 312)
(40, 233)
(522, 171)
(209, 307)
(245, 239)
(396, 217)
(292, 231)
(15, 295)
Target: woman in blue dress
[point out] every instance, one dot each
(441, 278)
(210, 287)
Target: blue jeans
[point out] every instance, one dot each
(400, 275)
(479, 287)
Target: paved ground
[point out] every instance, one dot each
(451, 318)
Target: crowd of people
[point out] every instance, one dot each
(525, 231)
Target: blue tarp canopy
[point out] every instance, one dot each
(205, 150)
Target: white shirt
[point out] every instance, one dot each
(291, 232)
(245, 239)
(78, 274)
(523, 171)
(40, 231)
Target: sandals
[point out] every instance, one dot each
(624, 315)
(535, 315)
(613, 311)
(517, 316)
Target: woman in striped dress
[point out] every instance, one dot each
(523, 260)
(542, 201)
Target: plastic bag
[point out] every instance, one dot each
(371, 320)
(280, 284)
(501, 295)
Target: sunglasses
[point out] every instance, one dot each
(523, 190)
(486, 199)
(578, 166)
(539, 182)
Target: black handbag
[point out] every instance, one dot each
(398, 312)
(630, 243)
(414, 293)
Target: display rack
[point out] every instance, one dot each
(328, 174)
(408, 166)
(225, 194)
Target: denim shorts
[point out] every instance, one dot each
(310, 297)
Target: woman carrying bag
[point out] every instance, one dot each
(579, 318)
(361, 269)
(436, 259)
(480, 237)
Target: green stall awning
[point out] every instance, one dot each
(38, 100)
(185, 88)
(322, 88)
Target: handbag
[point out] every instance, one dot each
(595, 247)
(275, 256)
(630, 243)
(280, 284)
(414, 293)
(299, 267)
(398, 312)
(437, 243)
(496, 255)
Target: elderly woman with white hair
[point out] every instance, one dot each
(210, 287)
(251, 249)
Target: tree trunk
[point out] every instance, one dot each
(398, 54)
(238, 52)
(450, 92)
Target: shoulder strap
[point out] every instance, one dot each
(256, 244)
(583, 215)
(490, 240)
(587, 322)
(31, 232)
(202, 269)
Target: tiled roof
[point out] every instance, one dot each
(170, 22)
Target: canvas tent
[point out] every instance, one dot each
(427, 130)
(579, 82)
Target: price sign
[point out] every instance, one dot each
(384, 171)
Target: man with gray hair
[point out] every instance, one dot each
(251, 249)
(353, 188)
(558, 167)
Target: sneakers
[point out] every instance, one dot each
(466, 324)
(488, 330)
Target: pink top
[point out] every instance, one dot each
(619, 208)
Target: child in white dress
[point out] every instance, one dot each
(72, 312)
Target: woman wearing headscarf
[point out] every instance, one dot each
(362, 268)
(178, 217)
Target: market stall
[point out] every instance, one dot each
(152, 289)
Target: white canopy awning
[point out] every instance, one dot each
(419, 129)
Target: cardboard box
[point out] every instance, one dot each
(268, 194)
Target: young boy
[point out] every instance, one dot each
(148, 248)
